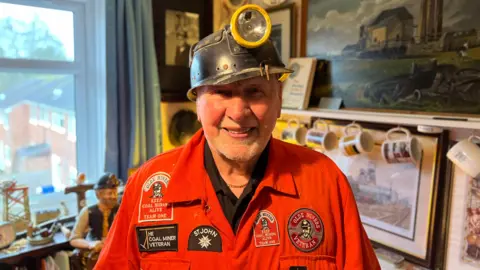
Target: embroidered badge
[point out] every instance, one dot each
(158, 238)
(265, 230)
(305, 229)
(205, 238)
(152, 207)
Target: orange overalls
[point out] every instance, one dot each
(303, 214)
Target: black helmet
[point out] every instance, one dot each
(108, 180)
(230, 55)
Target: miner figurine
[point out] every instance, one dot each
(93, 222)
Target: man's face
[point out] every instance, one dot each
(108, 197)
(181, 40)
(238, 118)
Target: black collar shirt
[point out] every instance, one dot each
(234, 207)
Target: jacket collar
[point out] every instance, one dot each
(188, 180)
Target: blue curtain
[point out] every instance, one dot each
(133, 90)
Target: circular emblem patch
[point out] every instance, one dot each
(305, 229)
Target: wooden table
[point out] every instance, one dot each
(32, 255)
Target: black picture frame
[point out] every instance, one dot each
(439, 203)
(175, 80)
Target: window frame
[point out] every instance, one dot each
(89, 70)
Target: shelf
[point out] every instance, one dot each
(392, 118)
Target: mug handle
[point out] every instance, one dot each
(293, 120)
(470, 139)
(353, 125)
(319, 121)
(404, 130)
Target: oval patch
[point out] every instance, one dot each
(305, 229)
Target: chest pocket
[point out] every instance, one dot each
(307, 262)
(164, 264)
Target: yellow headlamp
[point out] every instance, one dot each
(250, 26)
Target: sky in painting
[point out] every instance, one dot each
(333, 24)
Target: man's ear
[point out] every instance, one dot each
(197, 110)
(279, 94)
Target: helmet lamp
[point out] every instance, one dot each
(251, 26)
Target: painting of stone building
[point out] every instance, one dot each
(420, 55)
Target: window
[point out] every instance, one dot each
(58, 122)
(2, 158)
(4, 120)
(45, 85)
(33, 109)
(57, 182)
(7, 156)
(44, 119)
(72, 128)
(72, 174)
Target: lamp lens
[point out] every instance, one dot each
(251, 25)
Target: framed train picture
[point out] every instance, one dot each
(398, 202)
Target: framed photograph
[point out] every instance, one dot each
(178, 25)
(463, 245)
(181, 32)
(399, 203)
(283, 36)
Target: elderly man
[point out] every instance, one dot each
(93, 222)
(232, 179)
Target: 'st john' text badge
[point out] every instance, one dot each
(205, 238)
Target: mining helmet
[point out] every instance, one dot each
(107, 180)
(239, 51)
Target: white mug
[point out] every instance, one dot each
(466, 155)
(294, 134)
(354, 144)
(321, 138)
(407, 149)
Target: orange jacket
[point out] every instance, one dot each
(303, 214)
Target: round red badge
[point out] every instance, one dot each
(305, 229)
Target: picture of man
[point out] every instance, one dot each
(181, 32)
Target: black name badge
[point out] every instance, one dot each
(158, 238)
(205, 238)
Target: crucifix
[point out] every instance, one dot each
(80, 189)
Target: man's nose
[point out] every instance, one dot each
(238, 108)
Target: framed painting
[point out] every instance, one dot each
(178, 25)
(300, 22)
(398, 55)
(283, 30)
(462, 249)
(399, 203)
